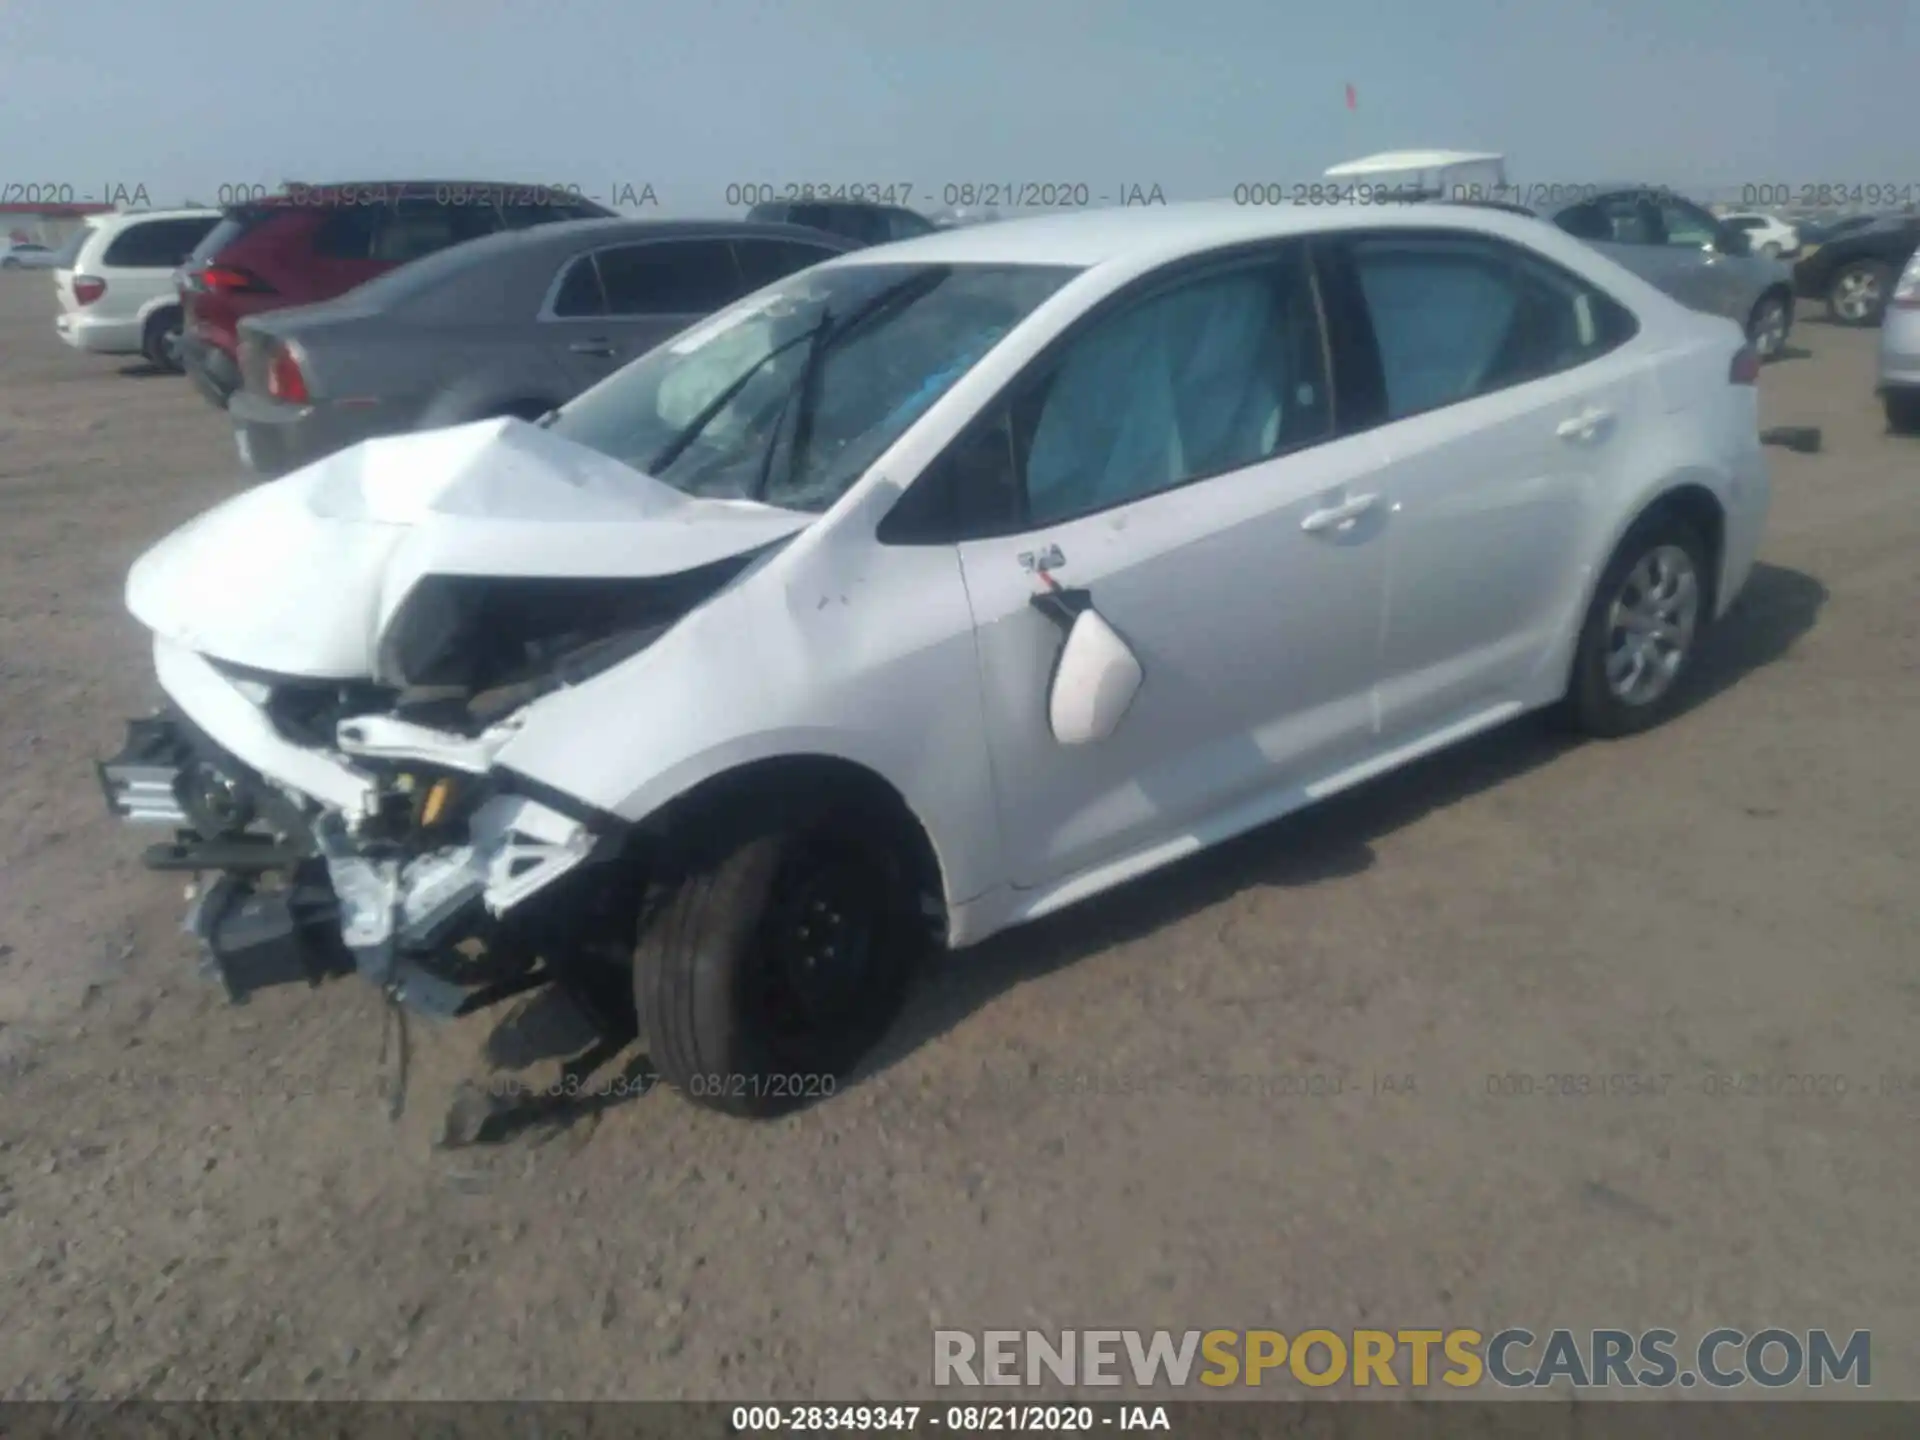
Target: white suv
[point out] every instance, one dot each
(117, 297)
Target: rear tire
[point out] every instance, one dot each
(160, 341)
(773, 963)
(1857, 294)
(1770, 324)
(1649, 611)
(1903, 411)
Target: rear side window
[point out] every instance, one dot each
(814, 217)
(156, 244)
(395, 234)
(669, 277)
(860, 223)
(231, 227)
(70, 252)
(764, 261)
(1457, 316)
(905, 225)
(580, 293)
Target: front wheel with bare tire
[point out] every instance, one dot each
(1638, 642)
(775, 960)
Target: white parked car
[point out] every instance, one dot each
(117, 292)
(924, 593)
(26, 255)
(1767, 235)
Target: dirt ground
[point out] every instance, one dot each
(198, 1200)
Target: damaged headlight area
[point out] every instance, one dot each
(464, 651)
(422, 886)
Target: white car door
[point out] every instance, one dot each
(1506, 406)
(1175, 459)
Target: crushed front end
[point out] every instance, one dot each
(395, 851)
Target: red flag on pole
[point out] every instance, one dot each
(1353, 102)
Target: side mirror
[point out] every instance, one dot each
(1732, 240)
(1096, 676)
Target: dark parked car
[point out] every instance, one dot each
(863, 221)
(509, 325)
(313, 242)
(1854, 272)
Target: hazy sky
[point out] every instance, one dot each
(1193, 95)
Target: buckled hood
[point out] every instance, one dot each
(301, 575)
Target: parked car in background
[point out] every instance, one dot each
(26, 255)
(1679, 246)
(1822, 228)
(1899, 376)
(1855, 273)
(313, 242)
(859, 220)
(117, 291)
(1767, 235)
(939, 588)
(512, 324)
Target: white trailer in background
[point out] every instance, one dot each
(1428, 174)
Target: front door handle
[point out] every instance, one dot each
(1583, 426)
(1339, 518)
(602, 348)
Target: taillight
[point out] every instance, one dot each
(284, 380)
(88, 288)
(233, 280)
(1906, 295)
(1746, 366)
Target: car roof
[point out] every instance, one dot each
(1086, 238)
(1390, 161)
(121, 219)
(286, 196)
(822, 200)
(571, 234)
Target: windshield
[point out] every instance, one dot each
(789, 395)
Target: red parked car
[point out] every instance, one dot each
(309, 243)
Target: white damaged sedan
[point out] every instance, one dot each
(924, 593)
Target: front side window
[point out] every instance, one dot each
(1687, 226)
(1215, 373)
(789, 396)
(1623, 219)
(1455, 316)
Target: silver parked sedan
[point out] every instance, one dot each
(512, 324)
(1899, 378)
(1673, 243)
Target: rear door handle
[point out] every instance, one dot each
(1583, 426)
(1339, 518)
(602, 348)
